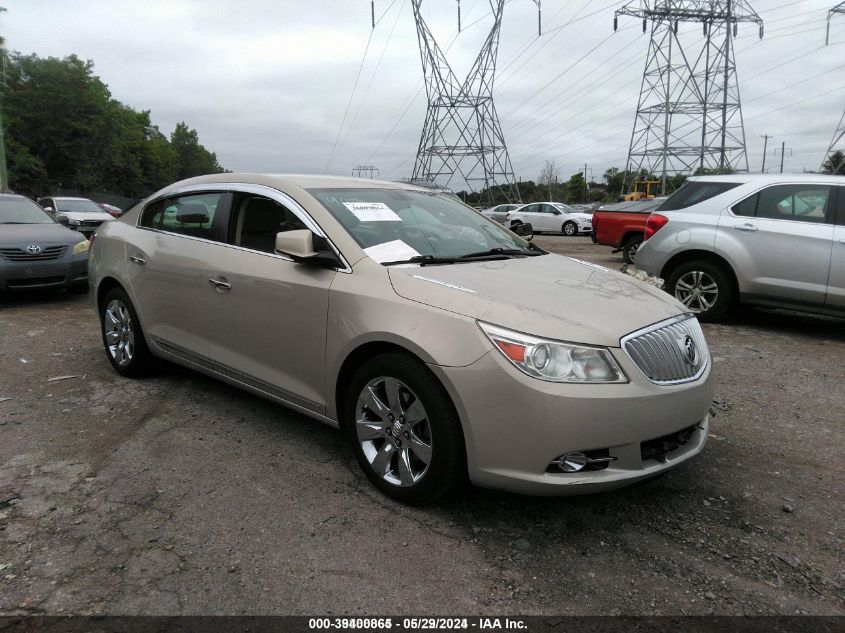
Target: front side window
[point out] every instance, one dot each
(257, 220)
(798, 203)
(22, 211)
(693, 192)
(411, 223)
(185, 215)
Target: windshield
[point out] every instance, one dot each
(392, 225)
(22, 211)
(563, 207)
(78, 206)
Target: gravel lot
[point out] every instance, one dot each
(181, 495)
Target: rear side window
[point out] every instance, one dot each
(186, 215)
(797, 203)
(694, 191)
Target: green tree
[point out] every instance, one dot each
(63, 129)
(192, 159)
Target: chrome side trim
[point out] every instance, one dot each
(266, 388)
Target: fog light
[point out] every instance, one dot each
(572, 462)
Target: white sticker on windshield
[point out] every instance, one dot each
(395, 251)
(372, 211)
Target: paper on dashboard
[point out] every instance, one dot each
(395, 251)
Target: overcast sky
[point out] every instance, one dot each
(266, 82)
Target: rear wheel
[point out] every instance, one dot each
(569, 228)
(404, 430)
(123, 339)
(703, 287)
(630, 248)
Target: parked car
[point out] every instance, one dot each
(79, 214)
(770, 240)
(622, 225)
(499, 213)
(112, 210)
(551, 217)
(429, 334)
(36, 251)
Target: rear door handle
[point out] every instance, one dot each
(138, 260)
(223, 285)
(745, 227)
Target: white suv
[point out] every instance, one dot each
(771, 240)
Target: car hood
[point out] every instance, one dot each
(581, 217)
(550, 296)
(16, 234)
(85, 215)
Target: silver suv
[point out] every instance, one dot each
(770, 240)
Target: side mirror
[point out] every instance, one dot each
(556, 211)
(525, 231)
(299, 246)
(63, 220)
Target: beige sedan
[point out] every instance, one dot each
(444, 346)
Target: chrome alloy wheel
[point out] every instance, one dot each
(120, 336)
(697, 290)
(393, 430)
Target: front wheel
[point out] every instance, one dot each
(404, 430)
(703, 287)
(569, 229)
(126, 347)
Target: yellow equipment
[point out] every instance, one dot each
(641, 190)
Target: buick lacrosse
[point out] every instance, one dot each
(444, 346)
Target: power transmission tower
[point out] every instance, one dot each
(360, 170)
(689, 114)
(462, 135)
(839, 133)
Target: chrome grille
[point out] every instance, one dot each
(669, 352)
(21, 255)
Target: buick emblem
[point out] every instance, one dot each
(33, 249)
(690, 352)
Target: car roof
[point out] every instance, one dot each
(771, 178)
(16, 196)
(304, 181)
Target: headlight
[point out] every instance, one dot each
(553, 360)
(74, 222)
(81, 247)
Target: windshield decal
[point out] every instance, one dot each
(393, 251)
(372, 212)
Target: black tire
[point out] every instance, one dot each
(630, 247)
(711, 273)
(78, 289)
(446, 469)
(569, 228)
(142, 361)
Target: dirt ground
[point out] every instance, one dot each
(180, 495)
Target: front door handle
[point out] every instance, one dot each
(745, 227)
(138, 260)
(223, 285)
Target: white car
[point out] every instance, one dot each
(499, 213)
(551, 217)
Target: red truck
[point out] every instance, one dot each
(622, 225)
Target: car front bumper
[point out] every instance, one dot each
(69, 270)
(515, 426)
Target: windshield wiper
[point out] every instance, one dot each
(508, 252)
(489, 255)
(15, 223)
